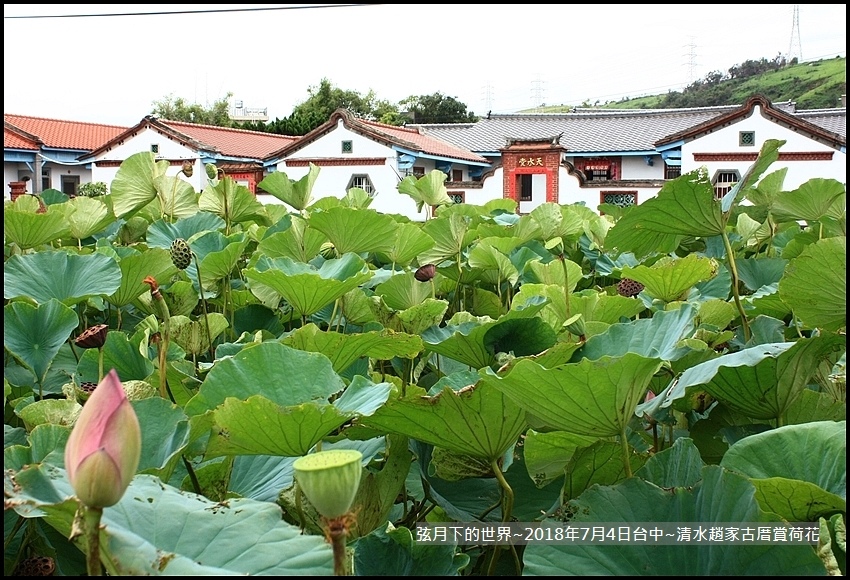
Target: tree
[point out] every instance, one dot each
(178, 109)
(438, 108)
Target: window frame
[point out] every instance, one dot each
(742, 139)
(347, 147)
(74, 181)
(633, 192)
(368, 187)
(722, 189)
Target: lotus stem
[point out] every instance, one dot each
(566, 285)
(624, 443)
(507, 509)
(338, 533)
(733, 269)
(204, 304)
(91, 529)
(99, 364)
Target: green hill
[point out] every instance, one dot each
(812, 85)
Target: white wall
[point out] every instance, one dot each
(726, 140)
(168, 149)
(635, 167)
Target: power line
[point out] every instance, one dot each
(166, 13)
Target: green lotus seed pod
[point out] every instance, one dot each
(330, 479)
(328, 251)
(575, 325)
(211, 170)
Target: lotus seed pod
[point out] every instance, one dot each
(330, 479)
(188, 168)
(181, 254)
(328, 251)
(425, 273)
(93, 336)
(575, 325)
(629, 288)
(211, 170)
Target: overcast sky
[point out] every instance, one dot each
(503, 58)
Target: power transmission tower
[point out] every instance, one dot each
(488, 97)
(537, 93)
(795, 47)
(692, 62)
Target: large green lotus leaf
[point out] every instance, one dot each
(356, 230)
(787, 452)
(29, 230)
(593, 398)
(133, 186)
(684, 206)
(284, 375)
(218, 265)
(758, 272)
(175, 198)
(658, 336)
(600, 307)
(344, 349)
(600, 463)
(299, 242)
(427, 190)
(669, 279)
(795, 500)
(191, 335)
(162, 232)
(88, 216)
(409, 242)
(814, 406)
(479, 421)
(553, 273)
(468, 342)
(258, 426)
(810, 202)
(165, 434)
(402, 291)
(815, 284)
(720, 497)
(766, 302)
(356, 197)
(677, 466)
(392, 552)
(181, 298)
(556, 221)
(69, 278)
(49, 411)
(487, 256)
(450, 234)
(717, 313)
(414, 320)
(305, 287)
(155, 262)
(45, 443)
(363, 397)
(232, 202)
(119, 353)
(296, 194)
(34, 334)
(159, 530)
(762, 381)
(261, 477)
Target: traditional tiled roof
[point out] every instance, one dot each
(833, 120)
(59, 134)
(582, 131)
(14, 138)
(390, 135)
(223, 141)
(794, 121)
(234, 142)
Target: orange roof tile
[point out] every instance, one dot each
(423, 143)
(59, 134)
(15, 140)
(233, 142)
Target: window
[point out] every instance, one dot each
(672, 171)
(457, 174)
(456, 196)
(155, 148)
(363, 182)
(418, 172)
(723, 181)
(598, 171)
(523, 186)
(70, 183)
(45, 179)
(348, 147)
(747, 138)
(620, 198)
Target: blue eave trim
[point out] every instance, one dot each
(674, 145)
(611, 153)
(440, 157)
(12, 156)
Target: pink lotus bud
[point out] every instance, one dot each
(103, 450)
